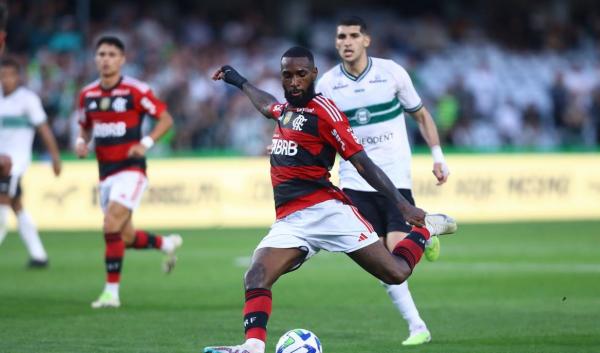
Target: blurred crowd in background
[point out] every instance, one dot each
(494, 76)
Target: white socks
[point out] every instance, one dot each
(403, 301)
(112, 288)
(3, 220)
(255, 345)
(30, 237)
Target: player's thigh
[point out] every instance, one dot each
(268, 264)
(10, 188)
(379, 262)
(116, 217)
(125, 188)
(369, 208)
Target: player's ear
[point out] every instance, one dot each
(367, 41)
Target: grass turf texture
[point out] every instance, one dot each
(525, 287)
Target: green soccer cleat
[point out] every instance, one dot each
(417, 339)
(106, 300)
(432, 249)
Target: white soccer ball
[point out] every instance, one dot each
(299, 341)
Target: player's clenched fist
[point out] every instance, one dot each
(229, 75)
(414, 216)
(81, 148)
(137, 150)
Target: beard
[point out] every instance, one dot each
(303, 99)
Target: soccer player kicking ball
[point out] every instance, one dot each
(373, 93)
(312, 214)
(111, 111)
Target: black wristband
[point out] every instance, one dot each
(233, 77)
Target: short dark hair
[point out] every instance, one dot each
(3, 16)
(111, 40)
(299, 52)
(10, 62)
(354, 21)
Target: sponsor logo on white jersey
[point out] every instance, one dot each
(362, 116)
(298, 123)
(119, 104)
(110, 129)
(93, 105)
(284, 147)
(374, 140)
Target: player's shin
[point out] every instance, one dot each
(115, 250)
(257, 310)
(412, 246)
(146, 240)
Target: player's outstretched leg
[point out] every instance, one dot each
(167, 244)
(115, 250)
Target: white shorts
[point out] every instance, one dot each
(330, 225)
(125, 187)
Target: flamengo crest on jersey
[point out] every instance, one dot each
(304, 145)
(115, 119)
(374, 103)
(20, 113)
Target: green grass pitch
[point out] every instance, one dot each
(524, 287)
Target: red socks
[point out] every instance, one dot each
(113, 257)
(411, 248)
(256, 313)
(146, 240)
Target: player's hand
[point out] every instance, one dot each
(5, 165)
(81, 149)
(441, 172)
(414, 216)
(137, 150)
(229, 75)
(56, 166)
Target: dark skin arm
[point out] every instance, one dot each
(380, 182)
(262, 100)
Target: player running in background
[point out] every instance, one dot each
(21, 115)
(373, 93)
(312, 214)
(112, 109)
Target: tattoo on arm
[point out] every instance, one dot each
(261, 99)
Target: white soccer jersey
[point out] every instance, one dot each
(374, 103)
(20, 113)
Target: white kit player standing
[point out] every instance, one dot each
(21, 115)
(374, 93)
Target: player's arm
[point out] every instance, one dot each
(430, 135)
(382, 183)
(165, 122)
(262, 100)
(50, 142)
(81, 143)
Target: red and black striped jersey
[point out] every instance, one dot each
(115, 116)
(303, 151)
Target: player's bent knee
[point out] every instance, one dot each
(256, 277)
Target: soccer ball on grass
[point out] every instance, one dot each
(299, 341)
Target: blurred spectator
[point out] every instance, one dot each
(525, 77)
